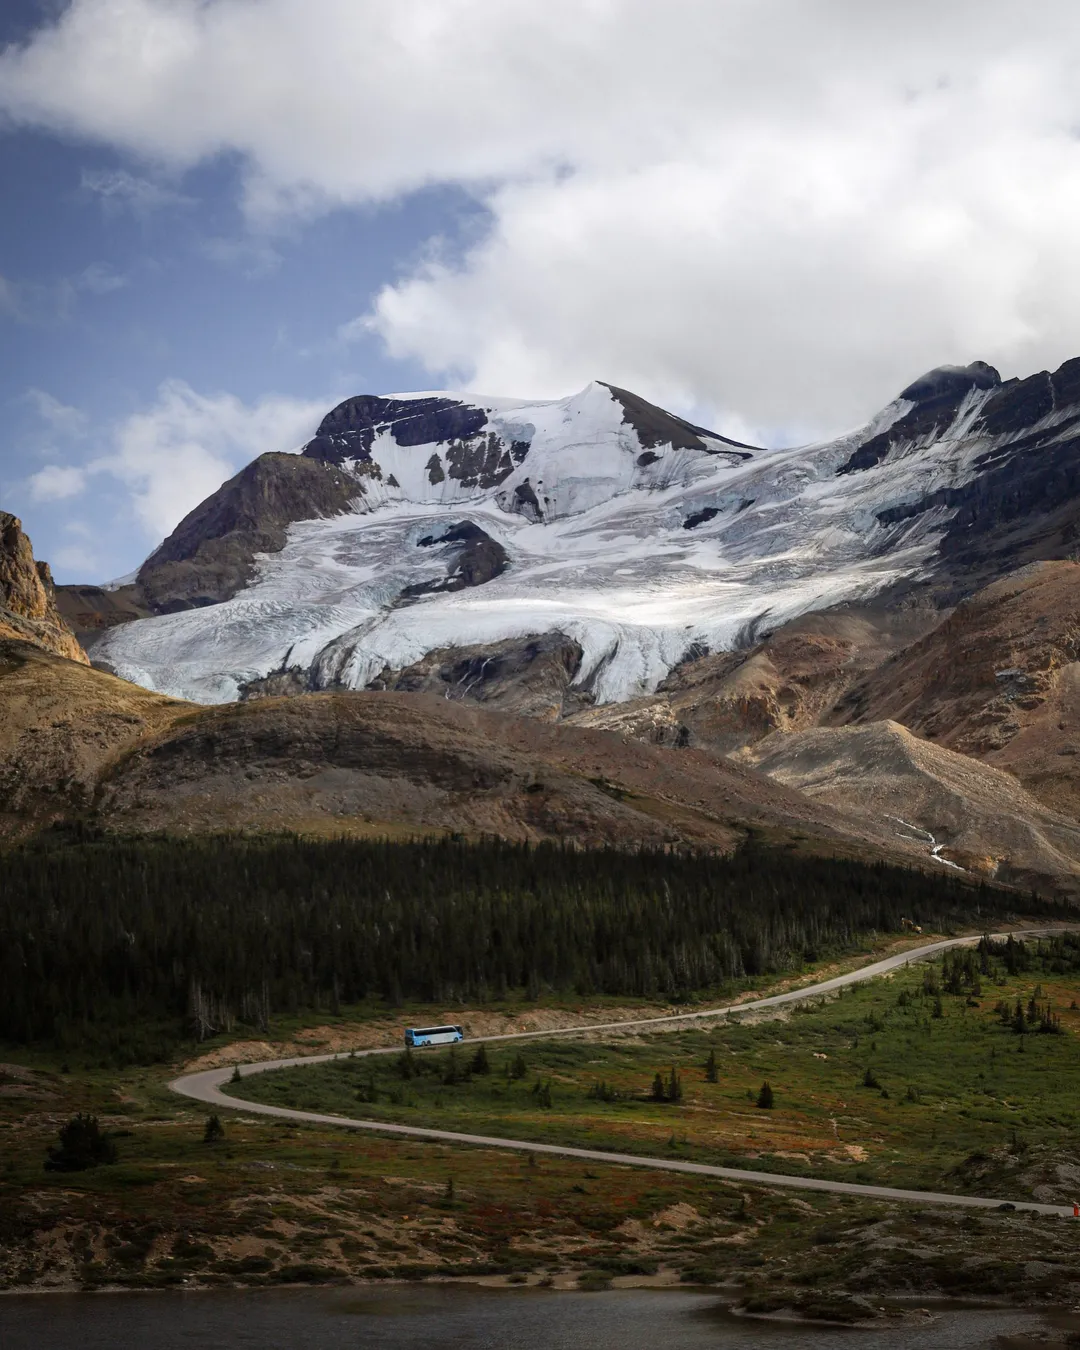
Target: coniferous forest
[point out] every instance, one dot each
(129, 945)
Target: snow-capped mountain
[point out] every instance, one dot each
(422, 522)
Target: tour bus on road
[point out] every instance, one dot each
(433, 1035)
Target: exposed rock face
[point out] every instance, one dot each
(27, 598)
(789, 681)
(936, 399)
(210, 554)
(470, 453)
(90, 611)
(1023, 502)
(655, 426)
(348, 431)
(470, 555)
(969, 814)
(998, 680)
(531, 676)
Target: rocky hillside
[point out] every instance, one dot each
(966, 813)
(77, 743)
(999, 680)
(27, 600)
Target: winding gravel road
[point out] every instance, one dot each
(206, 1087)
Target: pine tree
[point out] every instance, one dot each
(711, 1073)
(214, 1131)
(480, 1062)
(766, 1097)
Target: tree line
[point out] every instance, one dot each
(136, 943)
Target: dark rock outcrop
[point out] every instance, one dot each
(655, 426)
(937, 396)
(1023, 503)
(471, 556)
(90, 611)
(474, 455)
(210, 554)
(348, 431)
(523, 675)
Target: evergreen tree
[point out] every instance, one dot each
(711, 1073)
(766, 1097)
(214, 1131)
(130, 945)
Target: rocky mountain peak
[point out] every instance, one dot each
(210, 555)
(27, 598)
(349, 430)
(949, 382)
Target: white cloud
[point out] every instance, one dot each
(120, 190)
(56, 483)
(253, 257)
(40, 304)
(100, 279)
(172, 455)
(61, 418)
(778, 209)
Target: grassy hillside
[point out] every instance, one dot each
(955, 1076)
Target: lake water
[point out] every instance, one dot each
(431, 1317)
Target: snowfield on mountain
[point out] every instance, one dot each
(643, 539)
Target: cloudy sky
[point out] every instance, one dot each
(221, 216)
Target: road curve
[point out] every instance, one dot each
(206, 1086)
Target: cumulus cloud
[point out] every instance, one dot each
(172, 455)
(56, 483)
(779, 210)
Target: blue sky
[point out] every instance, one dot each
(220, 216)
(122, 280)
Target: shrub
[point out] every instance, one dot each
(82, 1145)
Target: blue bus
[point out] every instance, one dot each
(433, 1035)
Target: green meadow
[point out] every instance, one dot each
(942, 1076)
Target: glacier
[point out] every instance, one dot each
(638, 548)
